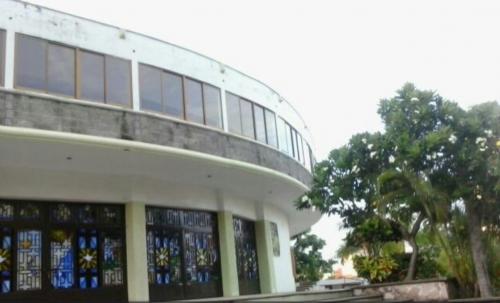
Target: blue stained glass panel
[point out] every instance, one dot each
(5, 260)
(88, 243)
(29, 260)
(61, 259)
(112, 265)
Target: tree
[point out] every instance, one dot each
(310, 265)
(431, 155)
(475, 173)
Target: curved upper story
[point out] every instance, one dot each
(126, 85)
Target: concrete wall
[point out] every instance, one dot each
(56, 114)
(418, 290)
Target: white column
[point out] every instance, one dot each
(137, 273)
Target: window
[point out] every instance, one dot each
(31, 55)
(150, 88)
(91, 76)
(118, 81)
(282, 135)
(289, 140)
(300, 147)
(272, 136)
(194, 101)
(211, 96)
(173, 95)
(260, 125)
(307, 156)
(51, 67)
(61, 70)
(233, 113)
(247, 127)
(2, 57)
(295, 141)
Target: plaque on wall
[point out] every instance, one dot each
(275, 239)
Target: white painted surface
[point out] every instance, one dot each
(20, 17)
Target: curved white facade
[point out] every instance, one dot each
(65, 149)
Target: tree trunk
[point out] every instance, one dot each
(478, 250)
(412, 267)
(411, 237)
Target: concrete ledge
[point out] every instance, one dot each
(431, 290)
(45, 112)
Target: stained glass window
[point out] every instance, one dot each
(246, 251)
(87, 214)
(112, 268)
(5, 260)
(29, 212)
(275, 239)
(29, 259)
(61, 259)
(87, 258)
(6, 211)
(61, 213)
(164, 257)
(111, 215)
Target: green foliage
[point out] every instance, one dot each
(372, 235)
(310, 265)
(375, 269)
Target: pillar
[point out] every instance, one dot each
(265, 257)
(137, 273)
(229, 270)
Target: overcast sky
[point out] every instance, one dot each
(333, 60)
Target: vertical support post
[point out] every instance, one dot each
(137, 273)
(265, 256)
(230, 287)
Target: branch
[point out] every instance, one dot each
(416, 225)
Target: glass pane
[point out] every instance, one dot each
(164, 257)
(2, 57)
(29, 260)
(173, 95)
(247, 126)
(150, 88)
(260, 125)
(61, 213)
(6, 211)
(233, 113)
(61, 259)
(194, 101)
(31, 56)
(61, 70)
(295, 145)
(272, 137)
(29, 212)
(91, 76)
(282, 135)
(289, 140)
(112, 269)
(5, 260)
(88, 276)
(300, 147)
(246, 249)
(211, 96)
(118, 81)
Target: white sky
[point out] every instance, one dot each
(333, 60)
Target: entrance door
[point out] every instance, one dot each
(61, 252)
(246, 256)
(182, 254)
